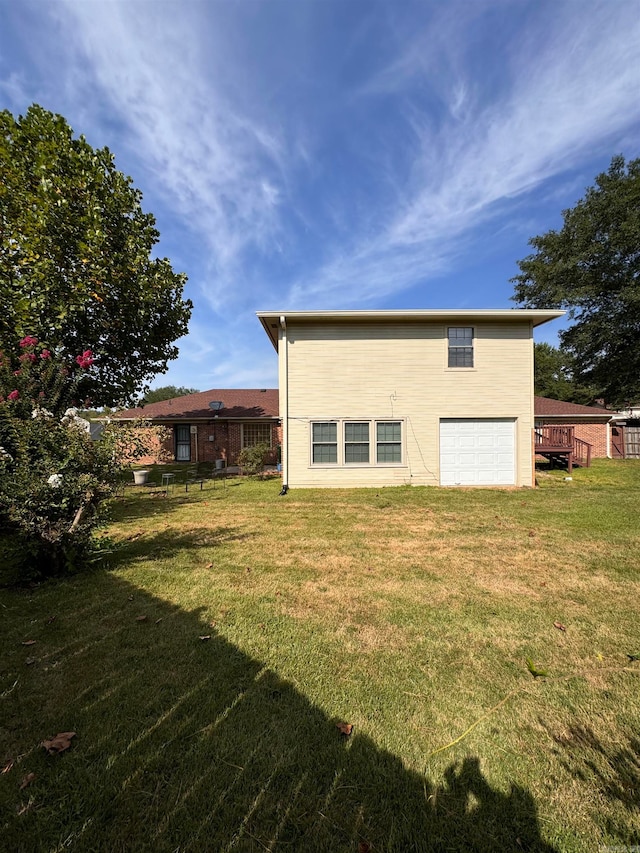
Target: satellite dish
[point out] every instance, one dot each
(216, 405)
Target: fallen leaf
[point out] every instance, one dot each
(209, 566)
(158, 621)
(559, 626)
(59, 743)
(212, 624)
(205, 637)
(532, 533)
(130, 598)
(345, 728)
(544, 583)
(29, 643)
(30, 661)
(50, 620)
(633, 657)
(28, 779)
(135, 536)
(141, 618)
(364, 847)
(7, 767)
(25, 808)
(248, 568)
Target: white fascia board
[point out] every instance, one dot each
(271, 319)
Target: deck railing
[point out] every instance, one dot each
(560, 441)
(560, 437)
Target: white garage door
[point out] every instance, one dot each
(477, 452)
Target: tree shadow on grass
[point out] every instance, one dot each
(196, 542)
(154, 502)
(611, 769)
(192, 745)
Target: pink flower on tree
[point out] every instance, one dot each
(13, 395)
(27, 356)
(28, 341)
(86, 359)
(45, 354)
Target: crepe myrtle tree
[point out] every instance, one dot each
(76, 265)
(53, 478)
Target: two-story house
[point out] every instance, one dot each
(380, 398)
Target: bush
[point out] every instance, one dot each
(252, 459)
(53, 477)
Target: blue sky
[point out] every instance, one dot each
(305, 154)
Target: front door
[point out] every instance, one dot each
(183, 443)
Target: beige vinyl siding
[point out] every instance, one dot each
(368, 371)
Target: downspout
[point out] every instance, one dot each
(285, 404)
(532, 397)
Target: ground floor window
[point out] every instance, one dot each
(183, 443)
(388, 441)
(361, 442)
(324, 443)
(253, 434)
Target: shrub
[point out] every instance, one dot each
(252, 459)
(53, 477)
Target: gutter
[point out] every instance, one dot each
(285, 403)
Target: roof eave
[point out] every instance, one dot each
(271, 320)
(573, 417)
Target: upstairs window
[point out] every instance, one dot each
(460, 346)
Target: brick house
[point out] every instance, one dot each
(215, 425)
(590, 423)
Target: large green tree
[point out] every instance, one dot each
(165, 392)
(591, 266)
(76, 268)
(554, 376)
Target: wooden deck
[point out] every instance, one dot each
(559, 445)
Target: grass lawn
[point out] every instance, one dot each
(410, 613)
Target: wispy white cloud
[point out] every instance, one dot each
(160, 68)
(571, 85)
(299, 157)
(233, 353)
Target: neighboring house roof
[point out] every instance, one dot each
(271, 319)
(545, 407)
(237, 404)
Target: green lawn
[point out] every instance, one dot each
(409, 613)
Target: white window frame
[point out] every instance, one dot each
(452, 348)
(319, 443)
(341, 442)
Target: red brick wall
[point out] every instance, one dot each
(596, 436)
(226, 442)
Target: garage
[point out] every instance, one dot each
(477, 452)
